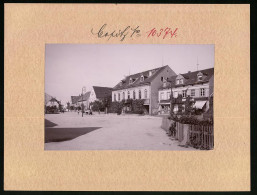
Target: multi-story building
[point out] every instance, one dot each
(143, 85)
(198, 85)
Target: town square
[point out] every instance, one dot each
(153, 109)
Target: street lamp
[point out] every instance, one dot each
(82, 105)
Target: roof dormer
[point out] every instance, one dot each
(122, 82)
(179, 80)
(142, 78)
(199, 76)
(130, 80)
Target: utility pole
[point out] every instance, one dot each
(82, 105)
(197, 63)
(171, 95)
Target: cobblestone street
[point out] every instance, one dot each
(113, 132)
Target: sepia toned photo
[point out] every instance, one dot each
(129, 97)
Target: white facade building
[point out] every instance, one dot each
(194, 84)
(143, 85)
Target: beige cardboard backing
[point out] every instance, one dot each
(28, 27)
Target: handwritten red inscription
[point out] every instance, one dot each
(167, 32)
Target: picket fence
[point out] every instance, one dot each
(197, 136)
(201, 136)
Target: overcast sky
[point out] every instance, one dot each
(69, 67)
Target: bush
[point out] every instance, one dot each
(115, 107)
(97, 106)
(184, 119)
(137, 106)
(172, 129)
(51, 109)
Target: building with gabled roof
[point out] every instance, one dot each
(96, 93)
(100, 93)
(143, 85)
(198, 85)
(47, 98)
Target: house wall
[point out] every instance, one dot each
(211, 85)
(136, 89)
(165, 94)
(155, 85)
(92, 96)
(197, 89)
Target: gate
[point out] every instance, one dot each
(201, 136)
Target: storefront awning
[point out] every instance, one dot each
(199, 104)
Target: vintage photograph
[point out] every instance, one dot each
(129, 97)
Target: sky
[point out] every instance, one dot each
(69, 67)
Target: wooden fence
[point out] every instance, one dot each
(201, 136)
(197, 136)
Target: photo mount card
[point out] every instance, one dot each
(84, 161)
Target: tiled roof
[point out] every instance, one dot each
(85, 97)
(74, 99)
(102, 92)
(136, 78)
(191, 78)
(54, 100)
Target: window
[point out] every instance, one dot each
(139, 94)
(128, 95)
(134, 95)
(162, 79)
(168, 95)
(142, 78)
(123, 95)
(184, 93)
(175, 108)
(130, 81)
(175, 94)
(162, 96)
(150, 73)
(145, 93)
(179, 81)
(115, 97)
(202, 92)
(118, 96)
(192, 92)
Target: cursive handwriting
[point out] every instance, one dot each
(122, 34)
(163, 32)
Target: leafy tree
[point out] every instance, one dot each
(107, 103)
(97, 106)
(138, 106)
(188, 106)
